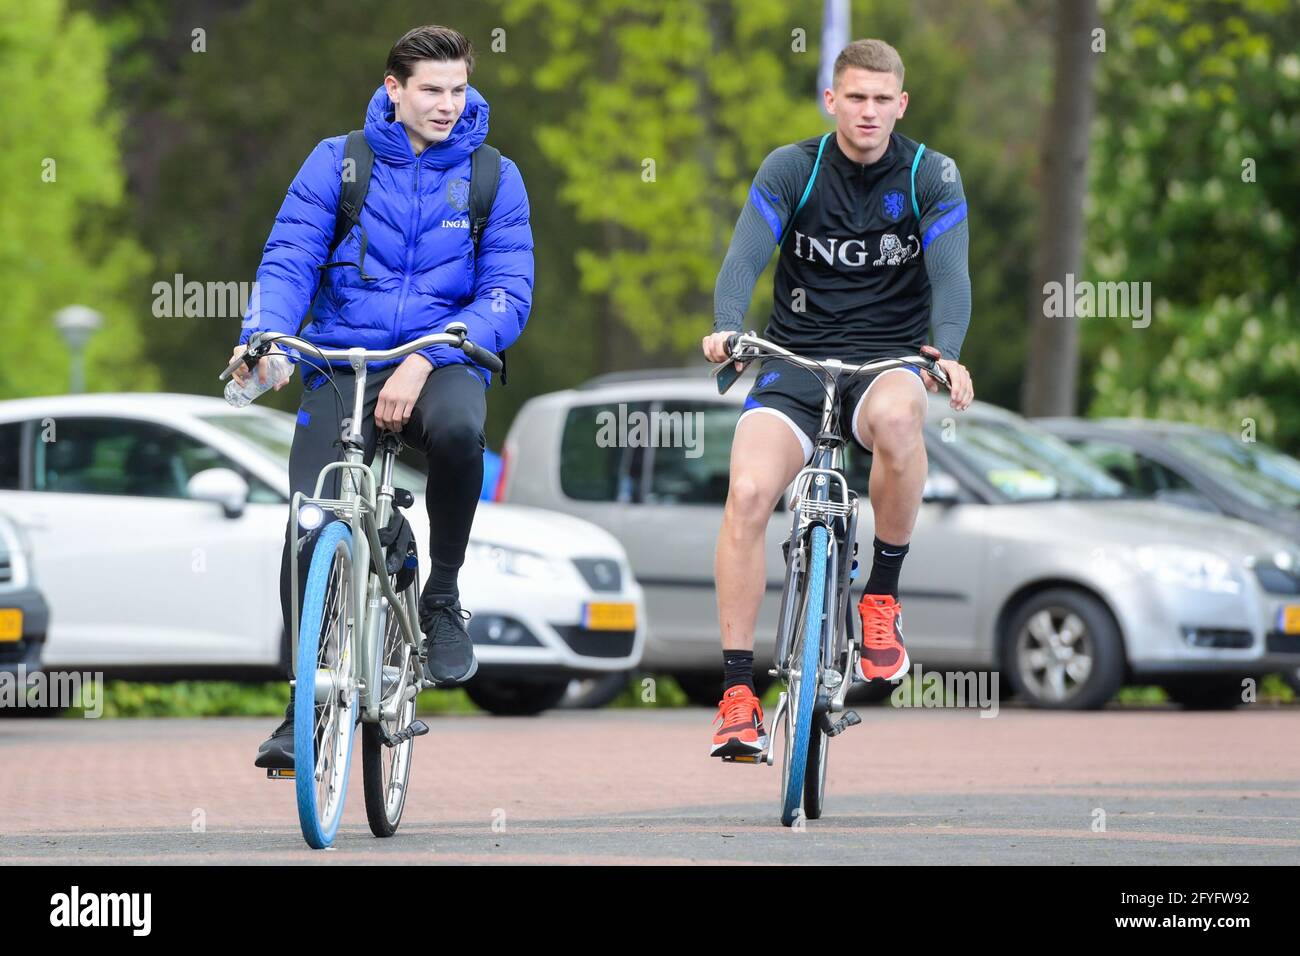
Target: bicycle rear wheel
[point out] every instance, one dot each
(385, 770)
(325, 693)
(805, 666)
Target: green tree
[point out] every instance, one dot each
(224, 131)
(61, 230)
(705, 90)
(1196, 190)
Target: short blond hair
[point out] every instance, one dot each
(874, 55)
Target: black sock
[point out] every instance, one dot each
(885, 565)
(737, 668)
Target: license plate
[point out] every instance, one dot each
(11, 624)
(605, 616)
(1289, 618)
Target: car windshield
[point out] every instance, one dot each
(1026, 463)
(1262, 475)
(272, 433)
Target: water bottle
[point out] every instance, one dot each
(278, 369)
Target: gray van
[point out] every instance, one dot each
(1026, 557)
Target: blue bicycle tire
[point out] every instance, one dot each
(318, 834)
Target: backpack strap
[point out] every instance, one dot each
(484, 177)
(352, 197)
(807, 190)
(916, 161)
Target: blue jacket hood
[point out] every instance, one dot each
(387, 137)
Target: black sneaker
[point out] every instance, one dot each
(276, 752)
(450, 659)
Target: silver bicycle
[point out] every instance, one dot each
(356, 641)
(816, 648)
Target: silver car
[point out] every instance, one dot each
(1026, 557)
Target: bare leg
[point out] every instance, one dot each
(891, 420)
(765, 457)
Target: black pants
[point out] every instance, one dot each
(446, 424)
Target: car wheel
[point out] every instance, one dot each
(592, 693)
(1211, 692)
(704, 688)
(1062, 650)
(516, 699)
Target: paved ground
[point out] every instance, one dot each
(908, 786)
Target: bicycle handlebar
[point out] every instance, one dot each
(746, 346)
(260, 344)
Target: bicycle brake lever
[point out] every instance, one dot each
(249, 357)
(726, 375)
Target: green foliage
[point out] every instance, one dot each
(672, 108)
(192, 699)
(706, 90)
(232, 699)
(60, 236)
(1196, 190)
(217, 136)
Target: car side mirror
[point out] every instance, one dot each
(222, 486)
(941, 489)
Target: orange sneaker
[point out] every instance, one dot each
(883, 655)
(739, 725)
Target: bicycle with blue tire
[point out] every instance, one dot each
(816, 646)
(356, 644)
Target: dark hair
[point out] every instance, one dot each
(427, 43)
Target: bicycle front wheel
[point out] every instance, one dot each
(385, 770)
(325, 692)
(805, 665)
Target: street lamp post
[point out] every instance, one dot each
(77, 324)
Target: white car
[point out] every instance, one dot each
(146, 579)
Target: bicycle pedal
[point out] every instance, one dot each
(417, 729)
(835, 728)
(757, 759)
(275, 774)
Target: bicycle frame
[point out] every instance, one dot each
(366, 509)
(820, 496)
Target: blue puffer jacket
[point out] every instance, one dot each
(419, 249)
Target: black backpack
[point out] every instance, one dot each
(484, 176)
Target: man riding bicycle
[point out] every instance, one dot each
(871, 233)
(408, 268)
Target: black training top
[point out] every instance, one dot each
(860, 272)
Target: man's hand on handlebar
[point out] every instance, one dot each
(241, 371)
(715, 348)
(960, 390)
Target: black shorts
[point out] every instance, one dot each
(796, 396)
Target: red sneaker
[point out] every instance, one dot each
(883, 655)
(739, 725)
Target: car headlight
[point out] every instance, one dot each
(1186, 567)
(523, 564)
